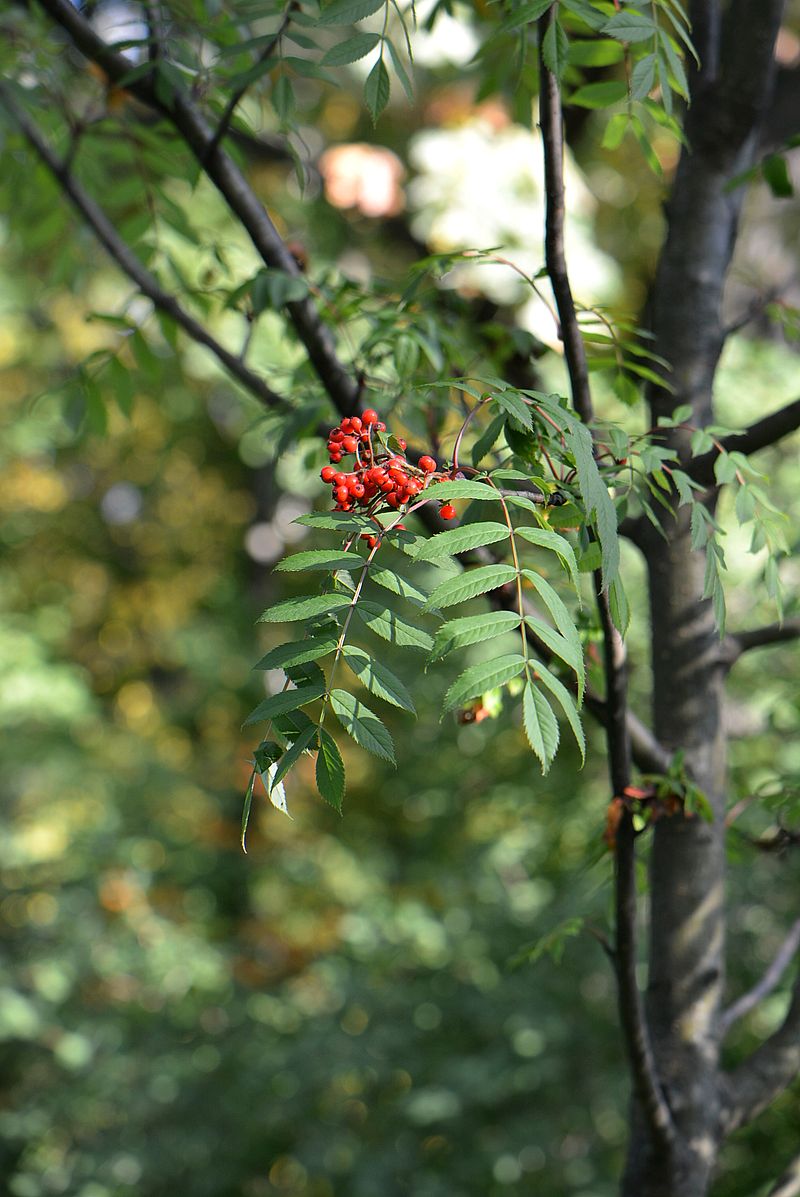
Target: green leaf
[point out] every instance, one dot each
(393, 582)
(543, 538)
(486, 675)
(619, 607)
(630, 26)
(347, 12)
(551, 945)
(299, 652)
(302, 608)
(596, 52)
(541, 725)
(568, 649)
(400, 70)
(472, 629)
(615, 131)
(272, 289)
(283, 98)
(776, 176)
(248, 801)
(552, 601)
(319, 559)
(596, 499)
(445, 491)
(287, 700)
(469, 584)
(587, 12)
(643, 77)
(679, 80)
(376, 90)
(377, 678)
(487, 439)
(362, 724)
(565, 700)
(292, 755)
(555, 49)
(344, 521)
(330, 770)
(599, 95)
(351, 50)
(392, 627)
(515, 407)
(459, 540)
(527, 13)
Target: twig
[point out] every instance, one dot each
(631, 1007)
(748, 1001)
(760, 435)
(773, 1066)
(774, 633)
(131, 265)
(235, 98)
(555, 260)
(176, 105)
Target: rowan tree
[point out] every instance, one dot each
(447, 449)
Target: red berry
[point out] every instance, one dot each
(340, 479)
(369, 417)
(349, 444)
(399, 527)
(336, 435)
(427, 464)
(394, 501)
(380, 427)
(346, 424)
(372, 541)
(355, 424)
(327, 473)
(342, 494)
(357, 491)
(336, 458)
(447, 512)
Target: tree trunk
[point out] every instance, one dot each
(687, 868)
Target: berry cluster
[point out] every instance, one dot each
(382, 476)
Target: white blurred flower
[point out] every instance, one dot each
(480, 186)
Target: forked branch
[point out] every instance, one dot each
(127, 260)
(756, 1083)
(759, 435)
(223, 172)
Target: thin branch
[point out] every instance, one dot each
(748, 1001)
(551, 123)
(631, 1006)
(756, 1083)
(760, 435)
(788, 1183)
(105, 232)
(175, 104)
(236, 96)
(774, 633)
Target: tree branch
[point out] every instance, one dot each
(756, 1083)
(774, 633)
(761, 435)
(631, 1006)
(235, 98)
(551, 123)
(105, 232)
(748, 1001)
(222, 171)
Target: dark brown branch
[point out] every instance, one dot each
(131, 265)
(760, 435)
(236, 96)
(774, 633)
(788, 1183)
(756, 1083)
(232, 185)
(748, 1001)
(631, 1006)
(706, 20)
(551, 122)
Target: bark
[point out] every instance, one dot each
(687, 869)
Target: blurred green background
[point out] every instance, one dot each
(334, 1014)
